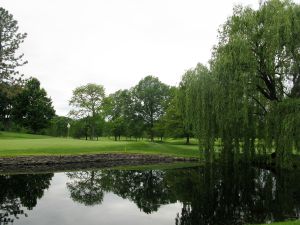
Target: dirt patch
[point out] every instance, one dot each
(72, 162)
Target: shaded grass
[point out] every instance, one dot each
(15, 144)
(295, 222)
(13, 135)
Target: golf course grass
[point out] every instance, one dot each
(18, 144)
(295, 222)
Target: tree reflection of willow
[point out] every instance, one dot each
(238, 195)
(20, 192)
(209, 195)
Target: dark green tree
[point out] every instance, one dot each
(5, 108)
(174, 126)
(80, 128)
(150, 99)
(58, 126)
(115, 113)
(99, 125)
(32, 108)
(10, 40)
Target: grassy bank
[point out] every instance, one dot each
(16, 144)
(296, 222)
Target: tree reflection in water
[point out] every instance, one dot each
(239, 195)
(20, 192)
(145, 188)
(86, 187)
(209, 195)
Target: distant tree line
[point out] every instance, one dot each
(141, 112)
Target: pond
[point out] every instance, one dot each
(194, 195)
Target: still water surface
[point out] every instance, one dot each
(198, 195)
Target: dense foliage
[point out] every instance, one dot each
(32, 108)
(249, 99)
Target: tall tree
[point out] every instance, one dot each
(5, 108)
(185, 102)
(150, 97)
(32, 108)
(115, 111)
(248, 100)
(87, 102)
(174, 121)
(10, 40)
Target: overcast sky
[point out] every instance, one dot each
(115, 42)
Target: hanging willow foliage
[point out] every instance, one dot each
(283, 129)
(248, 101)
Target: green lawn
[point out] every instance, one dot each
(296, 222)
(16, 144)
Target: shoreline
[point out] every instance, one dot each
(84, 161)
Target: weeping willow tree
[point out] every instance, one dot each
(234, 101)
(199, 107)
(249, 99)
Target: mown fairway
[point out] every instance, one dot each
(15, 144)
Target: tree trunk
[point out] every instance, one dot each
(151, 126)
(187, 139)
(93, 125)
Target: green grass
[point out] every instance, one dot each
(11, 135)
(16, 144)
(295, 222)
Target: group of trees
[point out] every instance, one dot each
(133, 113)
(149, 109)
(23, 103)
